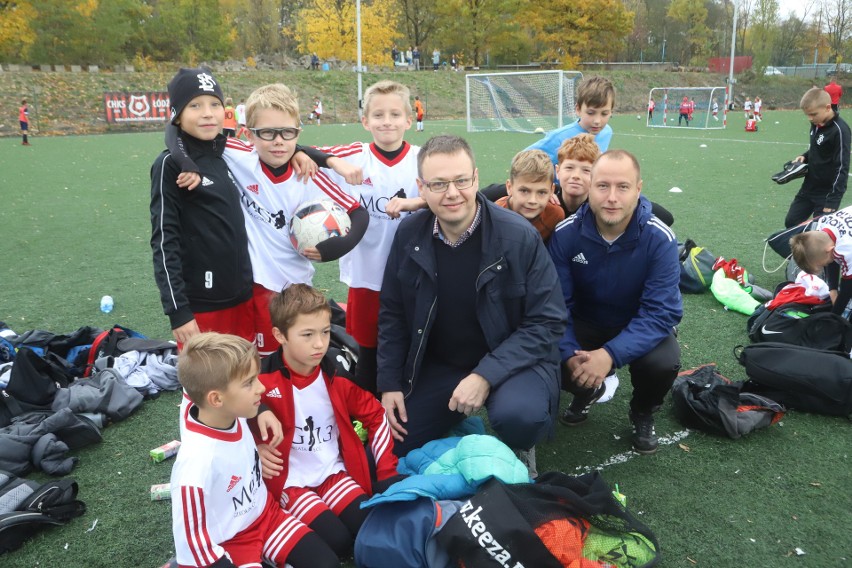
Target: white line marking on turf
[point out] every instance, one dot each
(710, 139)
(627, 456)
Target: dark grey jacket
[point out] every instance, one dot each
(519, 304)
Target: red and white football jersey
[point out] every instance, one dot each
(364, 266)
(269, 203)
(217, 489)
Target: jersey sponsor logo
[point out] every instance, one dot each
(255, 211)
(375, 206)
(233, 483)
(274, 393)
(254, 188)
(581, 258)
(205, 181)
(245, 500)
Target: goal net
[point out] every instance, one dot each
(687, 107)
(521, 102)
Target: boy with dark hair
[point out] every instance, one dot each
(222, 513)
(595, 101)
(530, 187)
(827, 157)
(198, 239)
(320, 471)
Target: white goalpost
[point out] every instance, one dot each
(688, 107)
(524, 101)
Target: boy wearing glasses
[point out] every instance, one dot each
(471, 313)
(270, 193)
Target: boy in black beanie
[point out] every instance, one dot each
(201, 261)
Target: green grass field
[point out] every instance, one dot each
(75, 226)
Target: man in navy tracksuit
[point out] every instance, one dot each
(471, 313)
(618, 266)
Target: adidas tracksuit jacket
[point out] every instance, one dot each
(198, 237)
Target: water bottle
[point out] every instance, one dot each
(107, 304)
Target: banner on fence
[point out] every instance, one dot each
(136, 107)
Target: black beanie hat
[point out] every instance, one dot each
(188, 84)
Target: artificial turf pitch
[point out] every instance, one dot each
(75, 226)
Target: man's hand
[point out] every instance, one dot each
(590, 368)
(304, 166)
(271, 462)
(188, 180)
(828, 210)
(394, 405)
(186, 331)
(268, 424)
(470, 394)
(353, 174)
(798, 159)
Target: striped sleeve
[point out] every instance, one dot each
(193, 545)
(336, 194)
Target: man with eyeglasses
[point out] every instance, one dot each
(471, 313)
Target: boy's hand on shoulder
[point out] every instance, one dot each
(271, 462)
(268, 423)
(304, 166)
(353, 174)
(188, 180)
(186, 331)
(399, 204)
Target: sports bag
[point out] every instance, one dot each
(801, 324)
(115, 342)
(798, 377)
(554, 522)
(696, 268)
(26, 507)
(705, 400)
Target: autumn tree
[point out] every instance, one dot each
(473, 27)
(188, 31)
(574, 30)
(837, 18)
(419, 21)
(255, 25)
(693, 14)
(16, 34)
(327, 27)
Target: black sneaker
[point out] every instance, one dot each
(644, 438)
(792, 170)
(578, 411)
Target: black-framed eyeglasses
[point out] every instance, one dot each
(269, 134)
(442, 186)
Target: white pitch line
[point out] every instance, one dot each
(627, 456)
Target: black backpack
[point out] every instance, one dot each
(26, 507)
(798, 377)
(801, 324)
(696, 268)
(706, 400)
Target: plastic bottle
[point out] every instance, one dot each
(107, 304)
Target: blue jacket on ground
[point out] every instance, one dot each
(630, 284)
(518, 305)
(554, 139)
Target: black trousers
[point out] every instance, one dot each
(803, 207)
(652, 374)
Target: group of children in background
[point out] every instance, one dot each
(271, 466)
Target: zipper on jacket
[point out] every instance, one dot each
(486, 269)
(420, 347)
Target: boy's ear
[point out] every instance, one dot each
(279, 337)
(509, 186)
(214, 399)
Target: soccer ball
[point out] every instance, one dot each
(316, 221)
(539, 130)
(638, 117)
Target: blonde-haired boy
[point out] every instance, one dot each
(828, 246)
(827, 157)
(530, 188)
(222, 514)
(389, 188)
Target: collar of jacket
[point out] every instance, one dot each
(493, 257)
(196, 147)
(641, 215)
(275, 363)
